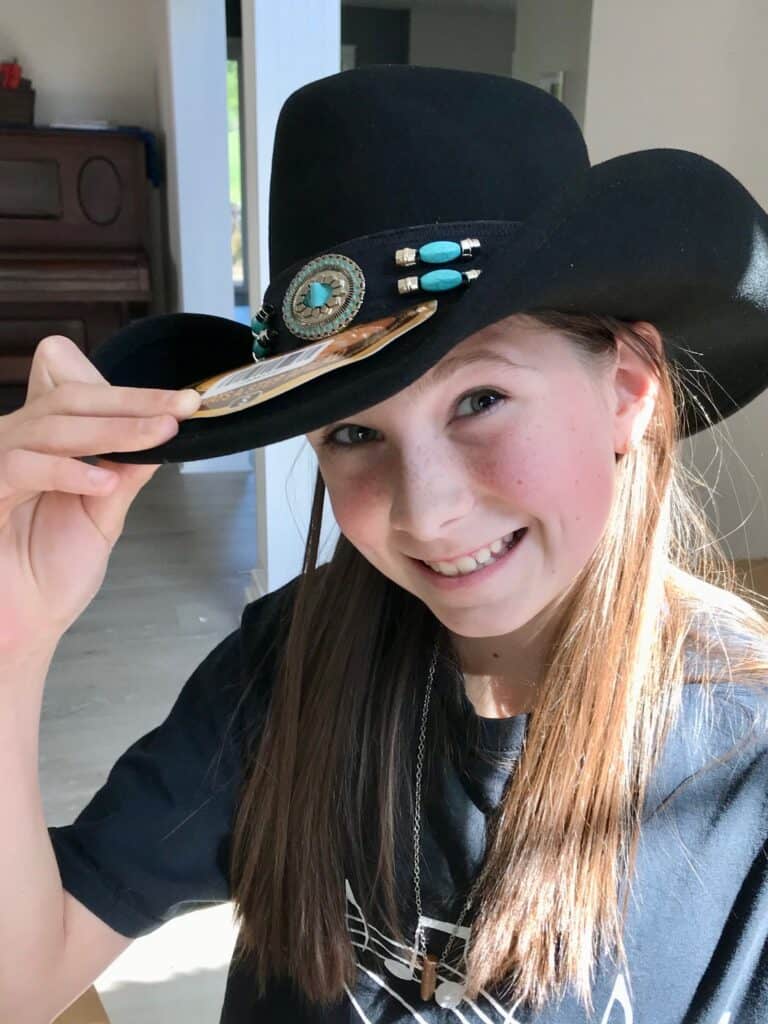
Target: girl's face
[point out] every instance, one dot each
(508, 431)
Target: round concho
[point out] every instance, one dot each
(323, 297)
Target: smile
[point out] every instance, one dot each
(476, 560)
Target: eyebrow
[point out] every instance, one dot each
(451, 364)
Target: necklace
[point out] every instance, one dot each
(447, 993)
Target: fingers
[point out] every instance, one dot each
(25, 473)
(47, 459)
(77, 398)
(57, 359)
(71, 412)
(107, 489)
(63, 380)
(86, 435)
(109, 507)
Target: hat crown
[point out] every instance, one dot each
(388, 146)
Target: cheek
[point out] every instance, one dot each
(574, 483)
(360, 505)
(558, 476)
(510, 467)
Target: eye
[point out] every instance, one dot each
(332, 436)
(482, 391)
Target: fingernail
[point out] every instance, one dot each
(188, 400)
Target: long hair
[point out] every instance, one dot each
(328, 789)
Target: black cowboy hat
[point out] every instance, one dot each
(384, 160)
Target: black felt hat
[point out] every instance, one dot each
(370, 166)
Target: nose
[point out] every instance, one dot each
(429, 493)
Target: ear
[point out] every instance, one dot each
(635, 388)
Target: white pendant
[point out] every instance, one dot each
(449, 993)
(398, 968)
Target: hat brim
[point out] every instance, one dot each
(661, 235)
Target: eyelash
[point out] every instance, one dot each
(330, 440)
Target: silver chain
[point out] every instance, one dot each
(420, 939)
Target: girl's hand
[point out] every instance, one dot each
(59, 521)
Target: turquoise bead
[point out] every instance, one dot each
(440, 252)
(440, 280)
(318, 294)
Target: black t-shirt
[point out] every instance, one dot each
(153, 843)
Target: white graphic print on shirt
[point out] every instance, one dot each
(384, 966)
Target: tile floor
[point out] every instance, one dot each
(175, 586)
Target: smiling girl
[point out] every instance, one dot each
(503, 757)
(484, 487)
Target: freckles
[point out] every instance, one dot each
(487, 470)
(358, 503)
(507, 475)
(501, 466)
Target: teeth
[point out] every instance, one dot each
(446, 568)
(470, 563)
(465, 564)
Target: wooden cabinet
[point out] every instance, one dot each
(74, 242)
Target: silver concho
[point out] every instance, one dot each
(324, 297)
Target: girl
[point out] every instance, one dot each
(503, 757)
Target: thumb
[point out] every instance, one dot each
(108, 511)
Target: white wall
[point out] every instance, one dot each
(86, 58)
(553, 35)
(691, 75)
(472, 40)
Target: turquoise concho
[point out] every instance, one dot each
(324, 297)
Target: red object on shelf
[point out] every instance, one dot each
(10, 75)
